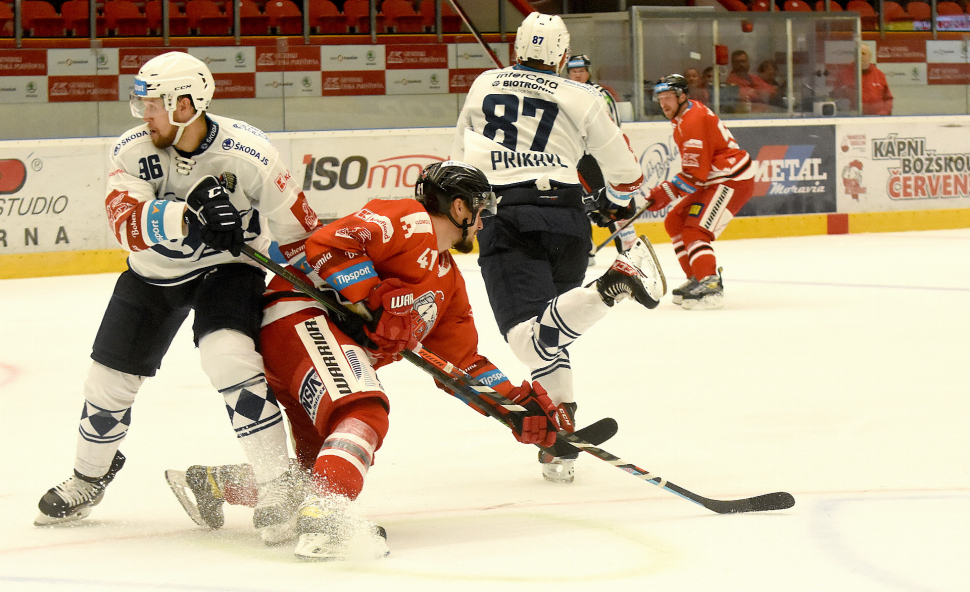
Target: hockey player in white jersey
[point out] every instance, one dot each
(527, 129)
(185, 191)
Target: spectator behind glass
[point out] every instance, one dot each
(768, 71)
(752, 89)
(697, 88)
(876, 96)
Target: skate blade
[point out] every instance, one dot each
(180, 487)
(705, 303)
(275, 535)
(316, 547)
(656, 263)
(45, 520)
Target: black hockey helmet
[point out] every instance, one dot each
(674, 82)
(578, 61)
(441, 183)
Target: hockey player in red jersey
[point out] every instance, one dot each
(715, 182)
(389, 261)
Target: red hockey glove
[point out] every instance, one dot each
(539, 423)
(392, 305)
(662, 195)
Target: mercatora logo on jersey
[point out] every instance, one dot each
(527, 81)
(229, 144)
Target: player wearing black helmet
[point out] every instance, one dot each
(441, 183)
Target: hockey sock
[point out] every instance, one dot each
(108, 396)
(540, 343)
(345, 458)
(700, 253)
(681, 253)
(231, 362)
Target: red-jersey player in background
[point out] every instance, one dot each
(392, 260)
(715, 182)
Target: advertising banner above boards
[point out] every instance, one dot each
(908, 60)
(107, 74)
(52, 191)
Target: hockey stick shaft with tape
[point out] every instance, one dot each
(466, 389)
(622, 228)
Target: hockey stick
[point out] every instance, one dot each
(470, 388)
(478, 36)
(466, 389)
(622, 228)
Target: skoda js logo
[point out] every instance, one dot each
(240, 58)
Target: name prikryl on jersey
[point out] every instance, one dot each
(514, 160)
(529, 81)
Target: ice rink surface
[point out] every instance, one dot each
(837, 371)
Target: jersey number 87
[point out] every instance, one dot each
(510, 114)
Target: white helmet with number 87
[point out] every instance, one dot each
(544, 38)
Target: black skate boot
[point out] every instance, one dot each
(75, 498)
(635, 273)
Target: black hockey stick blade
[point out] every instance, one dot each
(780, 500)
(595, 433)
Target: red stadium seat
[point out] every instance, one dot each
(860, 6)
(400, 15)
(205, 18)
(760, 6)
(797, 6)
(325, 18)
(357, 13)
(178, 23)
(947, 8)
(450, 21)
(285, 17)
(77, 19)
(893, 11)
(6, 20)
(920, 11)
(252, 21)
(124, 19)
(833, 6)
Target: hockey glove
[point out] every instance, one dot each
(606, 212)
(220, 222)
(539, 423)
(391, 304)
(662, 195)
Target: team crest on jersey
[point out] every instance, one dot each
(228, 180)
(387, 229)
(425, 313)
(417, 223)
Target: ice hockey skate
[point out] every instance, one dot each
(708, 294)
(206, 485)
(677, 294)
(560, 469)
(276, 508)
(635, 273)
(74, 499)
(331, 530)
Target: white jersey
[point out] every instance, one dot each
(520, 124)
(148, 186)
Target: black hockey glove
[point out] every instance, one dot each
(220, 222)
(603, 212)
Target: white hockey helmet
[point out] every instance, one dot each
(542, 37)
(170, 76)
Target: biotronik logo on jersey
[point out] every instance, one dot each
(324, 173)
(921, 172)
(788, 170)
(527, 81)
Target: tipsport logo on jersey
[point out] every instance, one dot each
(794, 169)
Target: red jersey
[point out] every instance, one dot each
(709, 153)
(395, 239)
